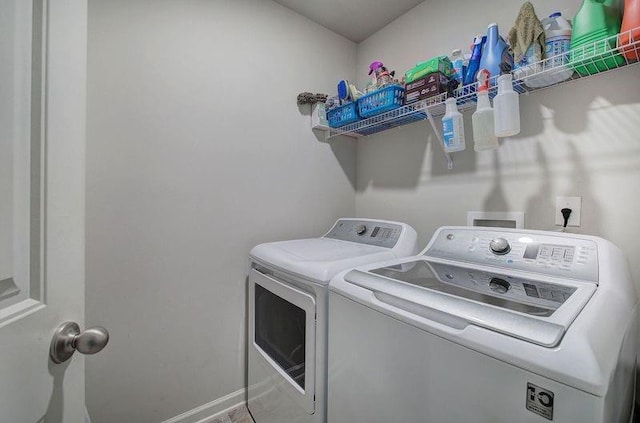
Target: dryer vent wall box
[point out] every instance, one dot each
(486, 325)
(513, 220)
(288, 290)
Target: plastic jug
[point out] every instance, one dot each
(630, 30)
(557, 32)
(495, 51)
(594, 29)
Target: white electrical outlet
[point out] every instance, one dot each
(573, 203)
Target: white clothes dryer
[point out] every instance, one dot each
(287, 322)
(486, 325)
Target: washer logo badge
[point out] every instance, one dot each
(540, 401)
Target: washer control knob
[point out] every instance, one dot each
(361, 230)
(499, 285)
(499, 246)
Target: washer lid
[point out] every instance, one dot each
(535, 310)
(318, 259)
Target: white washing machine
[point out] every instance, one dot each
(486, 325)
(287, 330)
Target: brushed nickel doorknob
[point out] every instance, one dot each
(68, 338)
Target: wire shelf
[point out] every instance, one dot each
(586, 60)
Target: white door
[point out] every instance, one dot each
(42, 150)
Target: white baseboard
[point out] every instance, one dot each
(206, 413)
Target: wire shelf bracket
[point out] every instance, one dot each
(438, 134)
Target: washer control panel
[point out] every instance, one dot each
(381, 234)
(499, 285)
(509, 288)
(499, 246)
(550, 254)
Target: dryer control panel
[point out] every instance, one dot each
(370, 232)
(545, 253)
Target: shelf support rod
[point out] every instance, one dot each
(436, 131)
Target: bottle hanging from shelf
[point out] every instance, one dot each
(453, 128)
(484, 137)
(506, 107)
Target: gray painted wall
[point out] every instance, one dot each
(197, 151)
(578, 139)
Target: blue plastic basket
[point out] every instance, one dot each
(343, 115)
(383, 100)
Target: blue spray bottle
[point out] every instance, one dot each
(474, 61)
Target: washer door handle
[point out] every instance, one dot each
(68, 338)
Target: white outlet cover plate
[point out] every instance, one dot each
(573, 203)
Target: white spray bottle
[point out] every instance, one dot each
(484, 136)
(507, 108)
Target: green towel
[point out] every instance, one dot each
(527, 31)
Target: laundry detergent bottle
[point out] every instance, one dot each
(594, 34)
(484, 137)
(495, 51)
(630, 31)
(471, 73)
